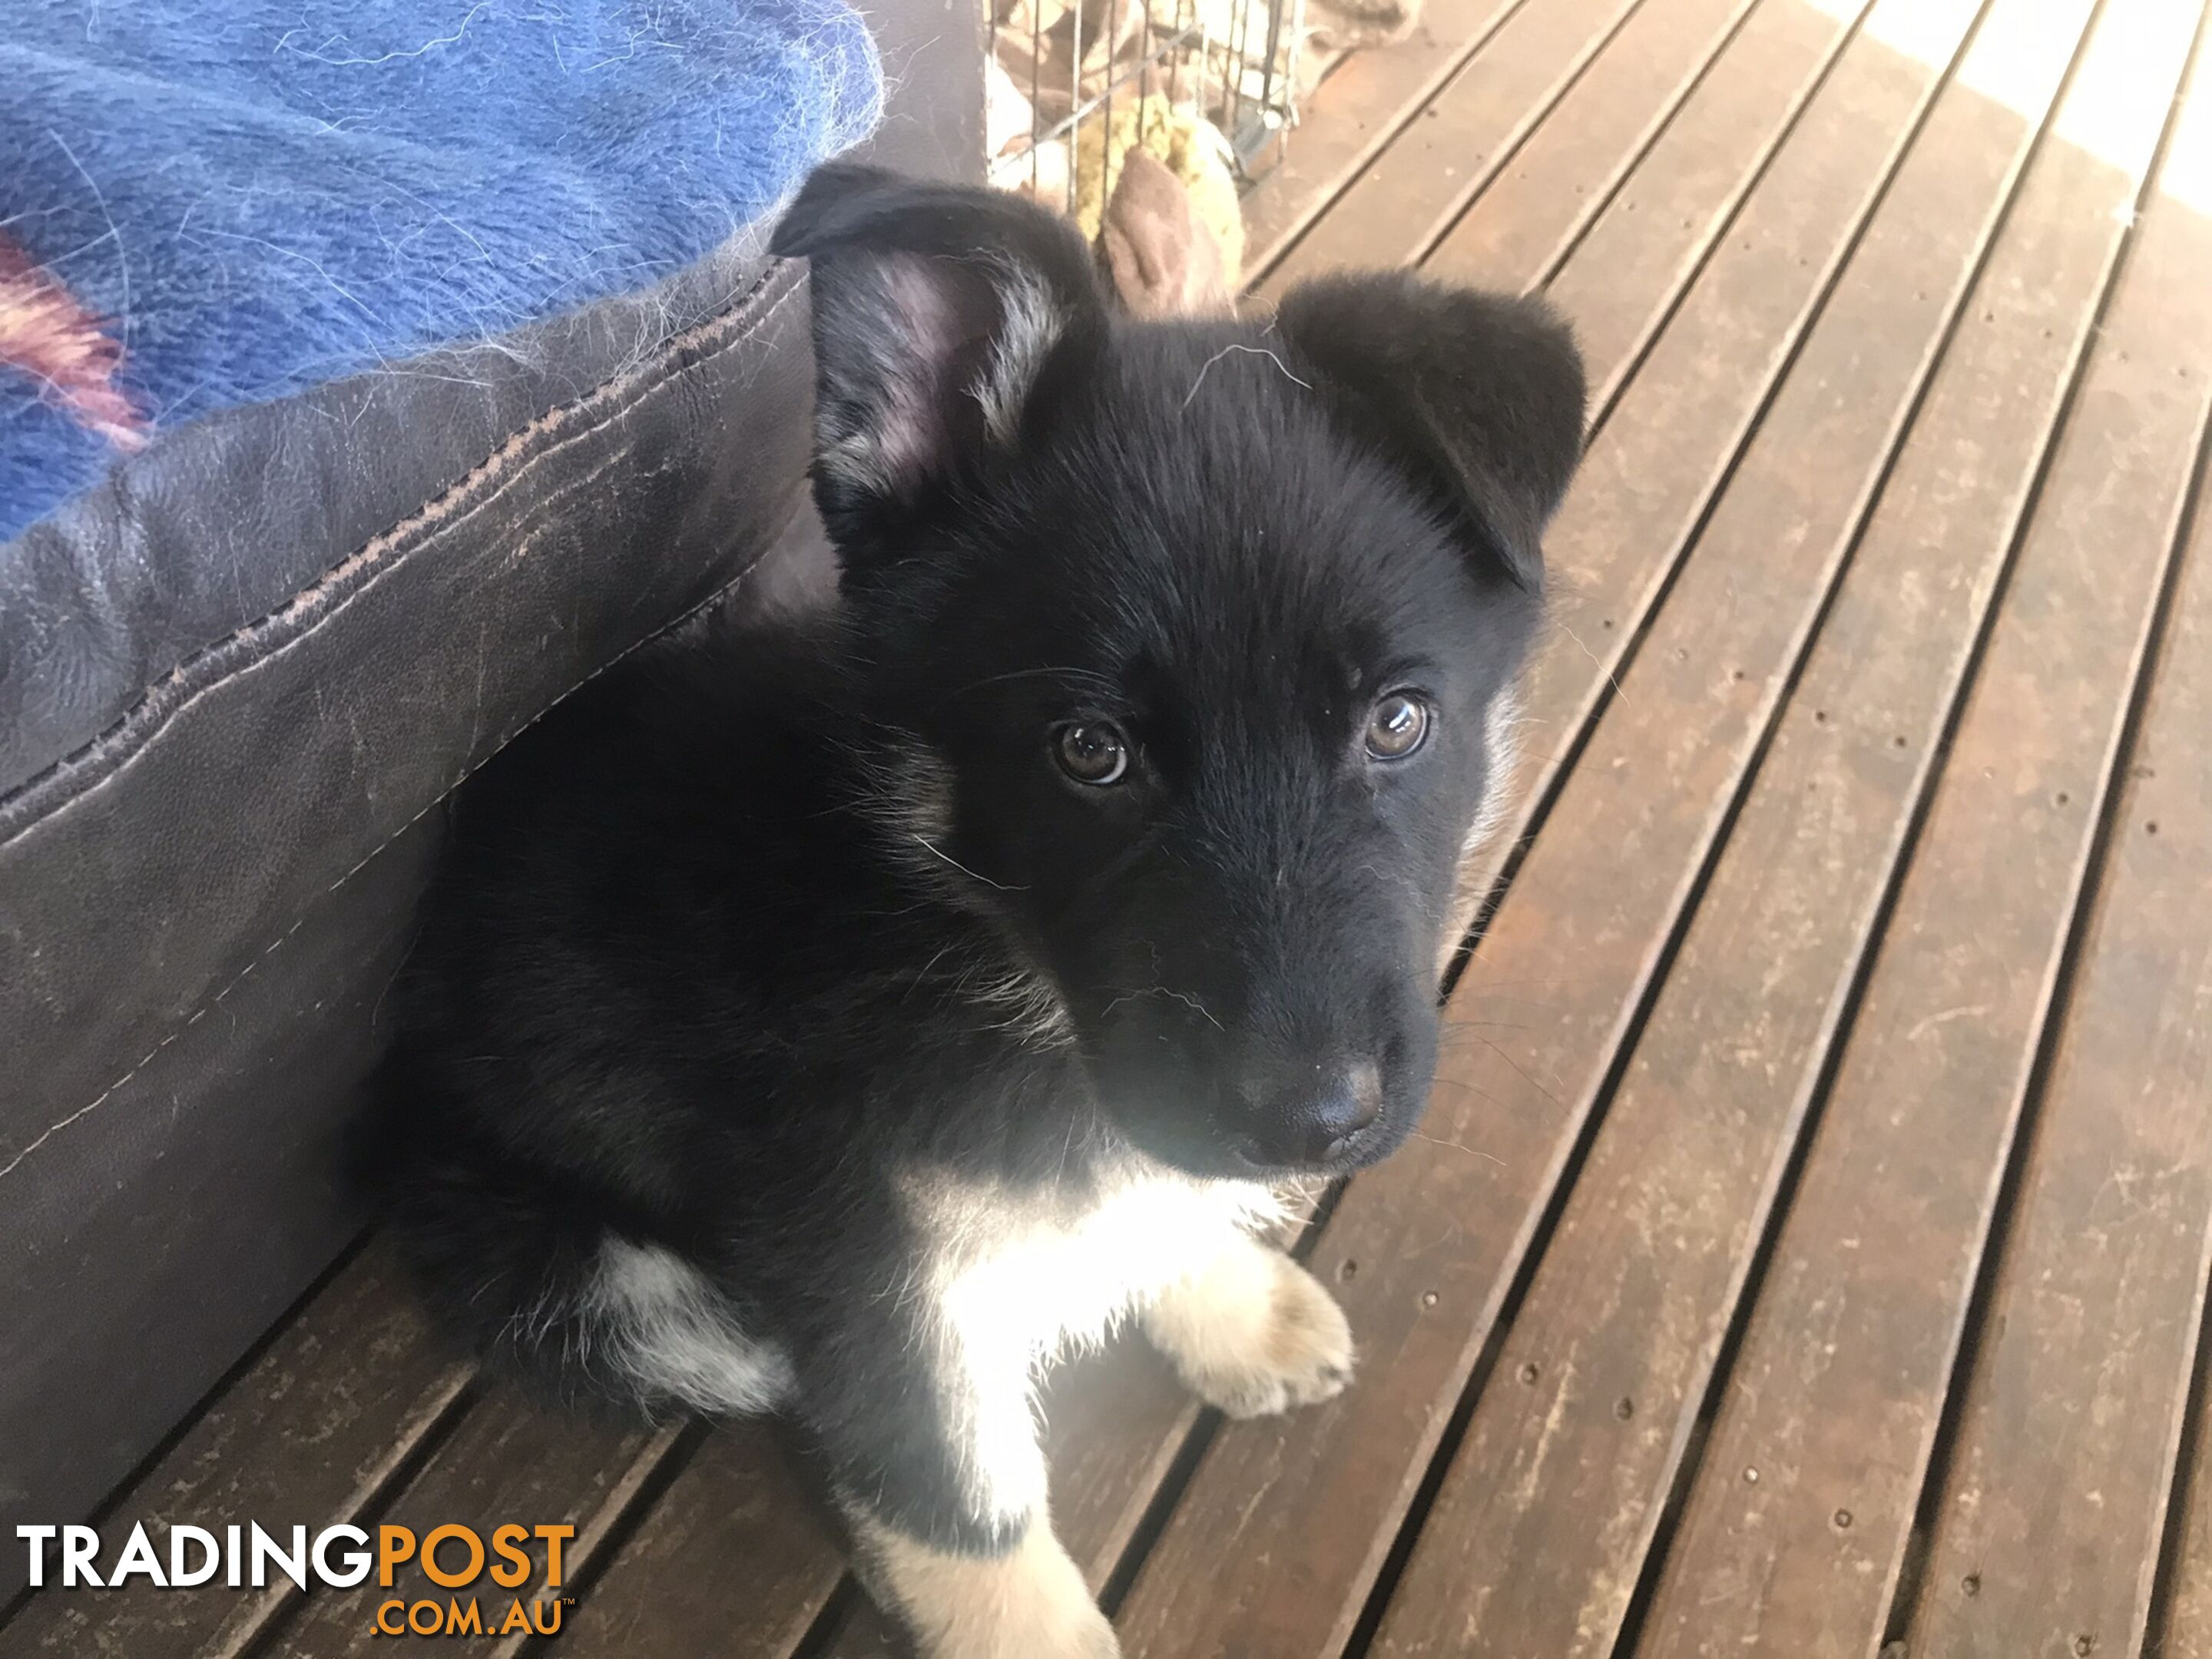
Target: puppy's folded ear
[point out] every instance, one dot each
(939, 313)
(1477, 397)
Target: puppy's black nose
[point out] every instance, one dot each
(1313, 1113)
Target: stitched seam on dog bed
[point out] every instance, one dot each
(270, 949)
(86, 767)
(434, 517)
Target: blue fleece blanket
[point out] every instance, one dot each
(257, 196)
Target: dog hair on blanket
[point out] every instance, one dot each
(262, 195)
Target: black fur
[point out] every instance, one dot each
(764, 921)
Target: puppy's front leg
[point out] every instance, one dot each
(1252, 1331)
(1022, 1599)
(936, 1465)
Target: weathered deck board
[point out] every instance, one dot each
(1785, 156)
(1522, 223)
(318, 1429)
(508, 1462)
(1393, 207)
(1706, 138)
(1835, 1396)
(766, 1591)
(1539, 1532)
(2058, 1493)
(1601, 122)
(1641, 496)
(1666, 441)
(1762, 979)
(1603, 890)
(2055, 1499)
(1371, 97)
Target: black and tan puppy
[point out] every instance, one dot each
(841, 1018)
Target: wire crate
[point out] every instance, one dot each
(1210, 86)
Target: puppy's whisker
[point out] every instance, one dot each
(1515, 1066)
(932, 847)
(1256, 351)
(1185, 997)
(1560, 624)
(1459, 1147)
(1476, 996)
(1080, 676)
(1451, 1039)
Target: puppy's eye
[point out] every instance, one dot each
(1091, 752)
(1398, 727)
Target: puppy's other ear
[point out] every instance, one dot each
(937, 310)
(1478, 397)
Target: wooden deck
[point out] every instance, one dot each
(1808, 1248)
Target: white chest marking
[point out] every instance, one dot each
(1045, 1283)
(1015, 1283)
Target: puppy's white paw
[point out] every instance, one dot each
(1030, 1603)
(1304, 1355)
(1090, 1636)
(1255, 1334)
(1023, 1630)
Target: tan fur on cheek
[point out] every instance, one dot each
(1029, 1603)
(1501, 736)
